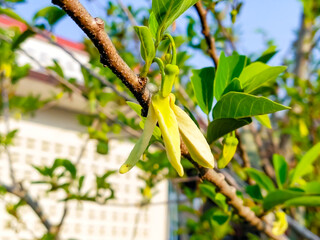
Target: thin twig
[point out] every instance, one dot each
(94, 28)
(128, 13)
(90, 71)
(206, 33)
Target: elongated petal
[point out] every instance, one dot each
(193, 138)
(280, 225)
(169, 130)
(142, 143)
(229, 149)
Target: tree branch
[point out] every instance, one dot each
(109, 56)
(94, 28)
(206, 33)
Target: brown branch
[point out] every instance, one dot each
(18, 191)
(218, 179)
(206, 33)
(94, 28)
(109, 56)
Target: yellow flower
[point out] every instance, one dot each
(280, 225)
(172, 121)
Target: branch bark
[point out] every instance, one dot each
(94, 28)
(206, 33)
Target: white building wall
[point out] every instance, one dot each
(40, 144)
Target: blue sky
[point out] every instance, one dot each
(278, 19)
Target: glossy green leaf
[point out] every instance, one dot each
(306, 161)
(309, 201)
(167, 11)
(240, 105)
(257, 74)
(281, 169)
(234, 86)
(147, 48)
(261, 179)
(220, 127)
(228, 69)
(264, 120)
(202, 82)
(278, 197)
(51, 13)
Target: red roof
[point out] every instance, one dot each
(10, 22)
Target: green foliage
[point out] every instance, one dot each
(281, 169)
(165, 12)
(261, 179)
(241, 105)
(305, 164)
(228, 69)
(220, 127)
(51, 14)
(202, 82)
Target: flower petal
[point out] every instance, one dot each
(280, 225)
(169, 130)
(193, 138)
(142, 143)
(229, 149)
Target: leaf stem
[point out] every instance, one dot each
(174, 50)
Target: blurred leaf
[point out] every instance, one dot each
(309, 201)
(51, 13)
(254, 192)
(103, 147)
(264, 120)
(312, 187)
(10, 13)
(306, 161)
(21, 38)
(202, 82)
(279, 197)
(281, 169)
(267, 55)
(220, 127)
(261, 179)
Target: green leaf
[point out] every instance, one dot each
(21, 38)
(281, 169)
(103, 147)
(202, 82)
(147, 48)
(234, 86)
(261, 179)
(57, 68)
(220, 217)
(312, 187)
(228, 69)
(257, 74)
(306, 161)
(254, 192)
(220, 127)
(264, 120)
(153, 25)
(52, 14)
(167, 11)
(208, 190)
(240, 105)
(309, 201)
(267, 55)
(10, 13)
(135, 107)
(278, 197)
